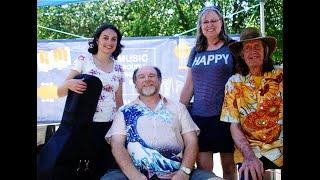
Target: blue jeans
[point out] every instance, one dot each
(197, 174)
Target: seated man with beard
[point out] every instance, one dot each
(154, 137)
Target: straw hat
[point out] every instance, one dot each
(249, 34)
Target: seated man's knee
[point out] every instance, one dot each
(199, 174)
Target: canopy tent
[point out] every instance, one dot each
(41, 3)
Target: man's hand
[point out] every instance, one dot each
(253, 166)
(179, 175)
(251, 163)
(123, 159)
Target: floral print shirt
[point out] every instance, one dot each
(106, 107)
(259, 110)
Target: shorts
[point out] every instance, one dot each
(214, 135)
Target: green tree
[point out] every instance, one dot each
(141, 18)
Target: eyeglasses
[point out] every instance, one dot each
(211, 21)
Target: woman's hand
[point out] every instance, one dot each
(76, 85)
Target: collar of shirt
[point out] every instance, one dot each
(163, 101)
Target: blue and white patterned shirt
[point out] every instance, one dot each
(154, 137)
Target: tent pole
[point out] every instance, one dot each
(262, 17)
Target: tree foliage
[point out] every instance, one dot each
(138, 18)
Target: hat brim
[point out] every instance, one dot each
(236, 47)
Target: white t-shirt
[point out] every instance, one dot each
(106, 107)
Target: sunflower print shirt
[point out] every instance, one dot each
(259, 110)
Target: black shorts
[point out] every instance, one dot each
(214, 135)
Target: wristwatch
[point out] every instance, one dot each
(185, 170)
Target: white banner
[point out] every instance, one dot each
(54, 57)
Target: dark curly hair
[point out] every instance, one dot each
(93, 46)
(201, 40)
(242, 68)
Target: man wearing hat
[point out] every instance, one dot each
(253, 104)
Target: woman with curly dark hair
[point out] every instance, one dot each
(101, 62)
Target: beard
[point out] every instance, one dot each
(149, 91)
